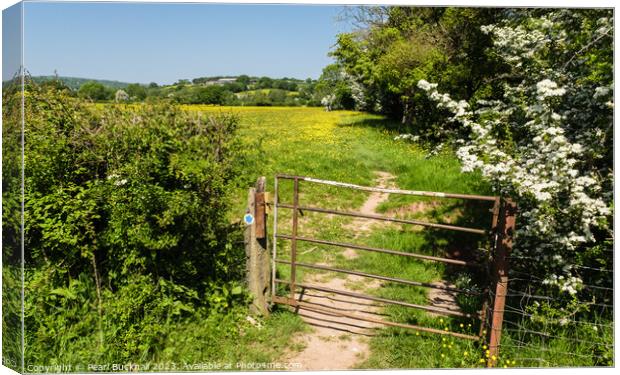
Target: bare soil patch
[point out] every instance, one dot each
(336, 342)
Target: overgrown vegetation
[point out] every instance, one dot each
(530, 105)
(11, 223)
(128, 239)
(395, 47)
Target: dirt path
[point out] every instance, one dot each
(336, 342)
(359, 226)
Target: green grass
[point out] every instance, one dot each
(349, 147)
(340, 145)
(231, 340)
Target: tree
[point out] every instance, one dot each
(397, 46)
(334, 88)
(136, 91)
(121, 96)
(234, 87)
(211, 95)
(265, 83)
(93, 90)
(244, 80)
(285, 84)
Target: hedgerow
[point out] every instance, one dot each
(126, 226)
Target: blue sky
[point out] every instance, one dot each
(165, 42)
(11, 41)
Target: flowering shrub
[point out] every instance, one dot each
(121, 96)
(328, 101)
(337, 89)
(546, 140)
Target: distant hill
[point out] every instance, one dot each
(222, 90)
(74, 82)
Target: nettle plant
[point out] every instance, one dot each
(547, 141)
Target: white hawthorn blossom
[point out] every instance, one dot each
(547, 88)
(561, 201)
(121, 96)
(408, 137)
(358, 91)
(117, 180)
(328, 101)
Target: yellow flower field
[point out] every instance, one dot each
(344, 146)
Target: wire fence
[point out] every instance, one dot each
(544, 327)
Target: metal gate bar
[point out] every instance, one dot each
(385, 190)
(379, 277)
(385, 218)
(294, 235)
(325, 310)
(380, 250)
(380, 299)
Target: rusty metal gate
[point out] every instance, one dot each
(499, 234)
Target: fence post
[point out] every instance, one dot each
(503, 247)
(258, 264)
(484, 313)
(294, 236)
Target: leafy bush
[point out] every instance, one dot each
(95, 91)
(126, 224)
(11, 223)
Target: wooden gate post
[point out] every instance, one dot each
(503, 247)
(258, 263)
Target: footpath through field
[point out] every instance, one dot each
(351, 147)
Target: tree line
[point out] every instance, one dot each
(240, 90)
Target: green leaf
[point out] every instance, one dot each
(68, 294)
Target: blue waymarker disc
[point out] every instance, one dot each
(248, 218)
